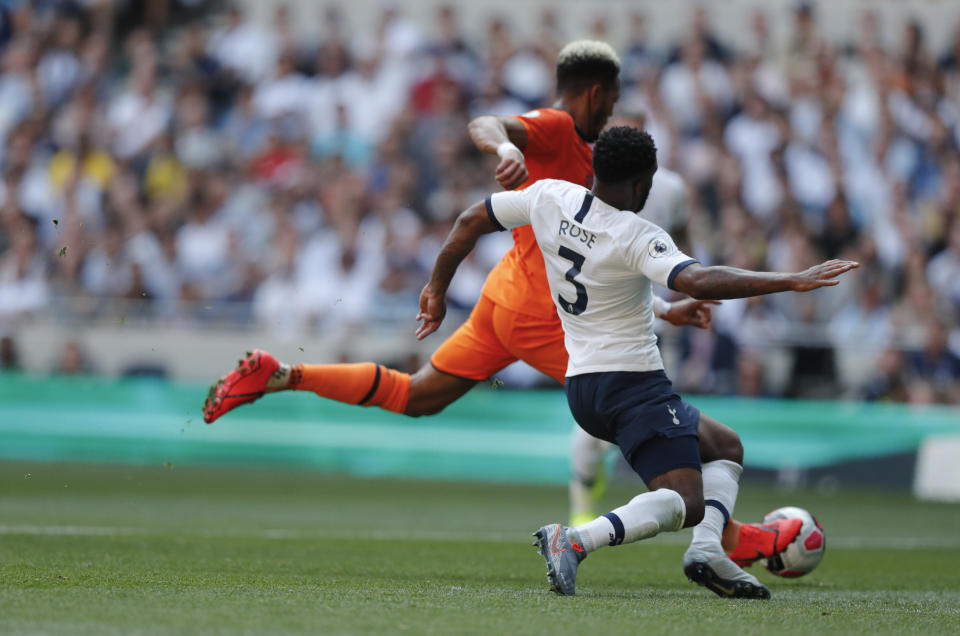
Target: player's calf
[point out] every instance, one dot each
(431, 391)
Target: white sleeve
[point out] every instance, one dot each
(654, 254)
(509, 209)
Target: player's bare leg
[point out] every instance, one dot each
(431, 391)
(426, 392)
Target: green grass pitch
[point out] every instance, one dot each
(122, 550)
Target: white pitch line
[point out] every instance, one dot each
(255, 533)
(849, 542)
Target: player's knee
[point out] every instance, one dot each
(423, 397)
(431, 391)
(733, 449)
(729, 446)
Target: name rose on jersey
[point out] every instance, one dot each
(575, 231)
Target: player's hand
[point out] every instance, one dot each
(433, 308)
(822, 275)
(690, 311)
(512, 169)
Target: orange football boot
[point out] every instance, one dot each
(764, 540)
(241, 386)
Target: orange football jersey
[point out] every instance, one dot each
(554, 150)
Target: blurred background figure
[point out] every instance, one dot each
(9, 356)
(73, 360)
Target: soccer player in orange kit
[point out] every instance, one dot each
(515, 317)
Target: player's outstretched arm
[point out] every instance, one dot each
(730, 282)
(505, 137)
(471, 224)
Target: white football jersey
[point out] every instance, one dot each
(599, 261)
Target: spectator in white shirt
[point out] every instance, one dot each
(59, 69)
(139, 114)
(284, 93)
(943, 272)
(693, 87)
(753, 137)
(203, 250)
(23, 285)
(16, 84)
(244, 47)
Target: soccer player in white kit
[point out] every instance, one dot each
(666, 207)
(600, 259)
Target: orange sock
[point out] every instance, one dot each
(363, 383)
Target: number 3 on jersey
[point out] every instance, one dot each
(580, 305)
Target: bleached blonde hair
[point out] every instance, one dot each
(586, 61)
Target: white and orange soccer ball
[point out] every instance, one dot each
(805, 552)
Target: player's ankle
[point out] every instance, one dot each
(731, 536)
(280, 379)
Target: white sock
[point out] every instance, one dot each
(586, 457)
(721, 482)
(643, 517)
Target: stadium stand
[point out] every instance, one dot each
(180, 163)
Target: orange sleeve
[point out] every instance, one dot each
(547, 130)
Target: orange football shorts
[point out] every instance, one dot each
(493, 337)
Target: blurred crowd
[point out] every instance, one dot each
(185, 163)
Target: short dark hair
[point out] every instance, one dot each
(585, 62)
(623, 153)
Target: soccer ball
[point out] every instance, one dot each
(804, 553)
